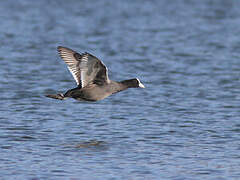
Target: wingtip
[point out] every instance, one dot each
(85, 53)
(59, 48)
(62, 48)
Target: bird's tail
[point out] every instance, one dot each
(56, 96)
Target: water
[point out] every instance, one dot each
(184, 125)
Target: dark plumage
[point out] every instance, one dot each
(91, 76)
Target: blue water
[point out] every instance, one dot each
(184, 125)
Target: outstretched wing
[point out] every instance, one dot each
(85, 68)
(68, 56)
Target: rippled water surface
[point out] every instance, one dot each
(184, 125)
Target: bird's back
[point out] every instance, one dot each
(95, 92)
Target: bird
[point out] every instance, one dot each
(91, 76)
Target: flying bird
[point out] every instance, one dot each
(91, 76)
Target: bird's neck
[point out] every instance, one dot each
(117, 86)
